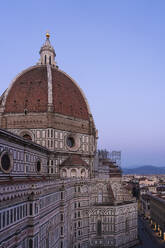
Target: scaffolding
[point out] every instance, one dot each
(113, 156)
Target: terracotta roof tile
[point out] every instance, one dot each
(74, 160)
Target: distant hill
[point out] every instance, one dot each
(145, 170)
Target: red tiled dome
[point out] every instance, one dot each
(30, 91)
(67, 97)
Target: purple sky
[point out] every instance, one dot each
(114, 49)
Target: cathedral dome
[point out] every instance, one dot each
(43, 86)
(45, 105)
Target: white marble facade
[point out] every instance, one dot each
(40, 211)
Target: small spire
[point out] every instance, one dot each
(47, 52)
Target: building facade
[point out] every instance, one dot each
(157, 214)
(56, 190)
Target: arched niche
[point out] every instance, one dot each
(73, 173)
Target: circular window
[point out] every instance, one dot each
(38, 166)
(70, 142)
(6, 162)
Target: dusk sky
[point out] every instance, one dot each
(115, 51)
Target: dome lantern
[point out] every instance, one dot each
(47, 53)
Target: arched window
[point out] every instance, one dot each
(99, 228)
(100, 196)
(31, 209)
(25, 111)
(30, 243)
(49, 60)
(38, 166)
(45, 59)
